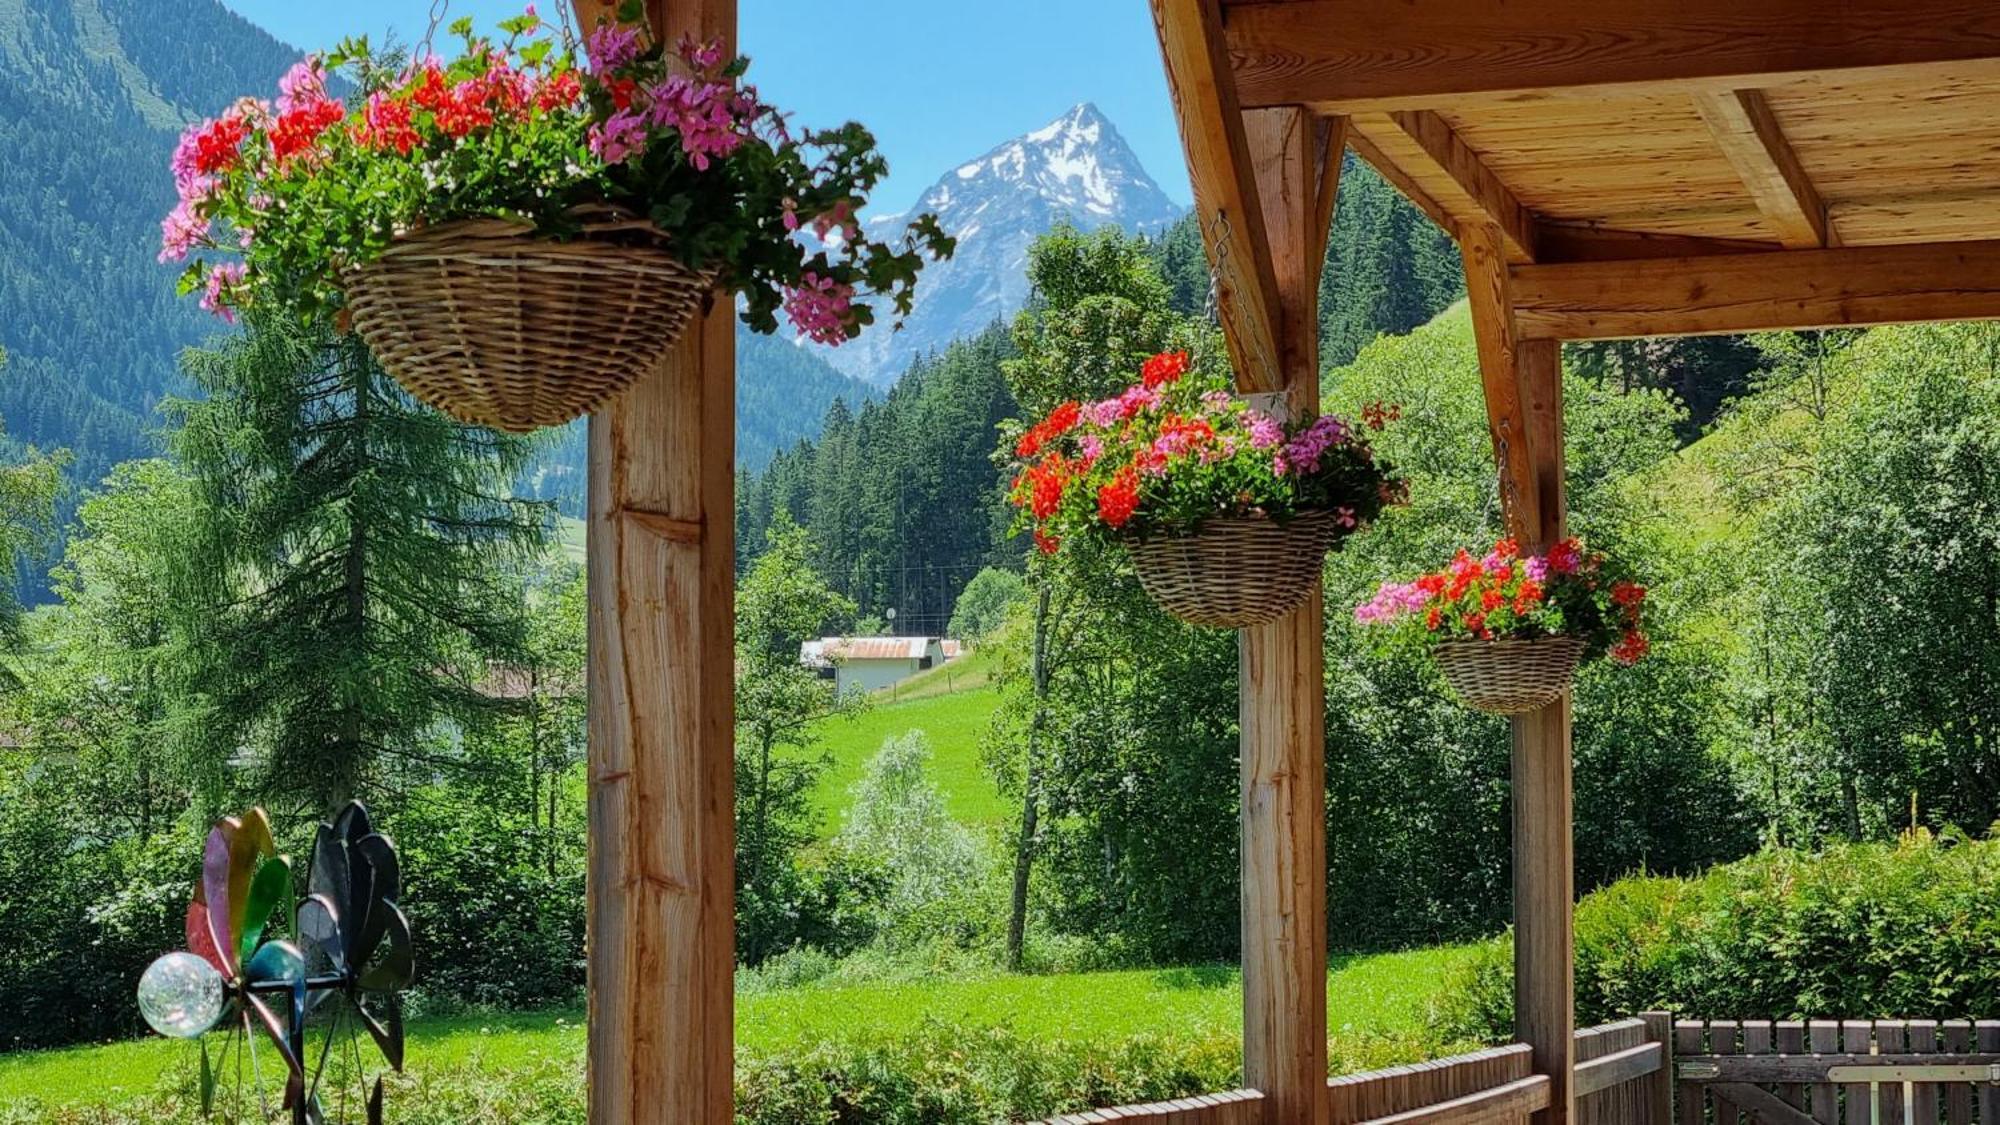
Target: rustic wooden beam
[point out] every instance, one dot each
(1854, 285)
(1578, 242)
(1341, 57)
(1282, 694)
(1504, 360)
(1523, 383)
(1749, 135)
(661, 881)
(1225, 191)
(1618, 1068)
(1426, 151)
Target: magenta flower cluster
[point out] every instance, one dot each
(819, 307)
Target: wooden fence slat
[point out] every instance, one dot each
(1923, 1040)
(1987, 1033)
(1823, 1036)
(1722, 1041)
(1891, 1038)
(1658, 1100)
(1958, 1095)
(1384, 1093)
(1691, 1103)
(1791, 1035)
(1857, 1037)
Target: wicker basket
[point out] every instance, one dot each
(1236, 572)
(1510, 677)
(494, 325)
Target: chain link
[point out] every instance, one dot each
(438, 8)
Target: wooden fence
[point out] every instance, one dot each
(1497, 1085)
(1838, 1072)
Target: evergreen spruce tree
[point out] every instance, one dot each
(355, 546)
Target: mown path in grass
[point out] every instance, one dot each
(1386, 994)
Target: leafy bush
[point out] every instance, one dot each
(930, 865)
(985, 603)
(1863, 931)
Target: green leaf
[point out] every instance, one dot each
(207, 1081)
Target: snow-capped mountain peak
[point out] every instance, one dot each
(1075, 169)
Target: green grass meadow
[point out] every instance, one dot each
(1371, 998)
(955, 722)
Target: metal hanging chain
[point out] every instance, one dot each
(438, 8)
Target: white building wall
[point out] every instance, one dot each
(872, 675)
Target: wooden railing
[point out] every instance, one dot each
(1624, 1072)
(1236, 1107)
(1497, 1085)
(1624, 1076)
(1826, 1072)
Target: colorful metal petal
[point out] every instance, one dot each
(270, 886)
(386, 1027)
(200, 939)
(393, 964)
(215, 888)
(385, 883)
(276, 961)
(251, 842)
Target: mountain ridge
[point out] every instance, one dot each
(1076, 169)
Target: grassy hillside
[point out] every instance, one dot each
(1379, 1012)
(954, 721)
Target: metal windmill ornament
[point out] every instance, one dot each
(349, 957)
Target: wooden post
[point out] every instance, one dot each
(1282, 691)
(1523, 381)
(662, 718)
(1659, 1094)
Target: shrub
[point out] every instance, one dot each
(932, 866)
(1905, 930)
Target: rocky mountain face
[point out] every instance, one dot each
(1075, 170)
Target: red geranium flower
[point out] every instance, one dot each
(1565, 557)
(1163, 369)
(296, 130)
(220, 147)
(564, 89)
(1118, 500)
(1631, 648)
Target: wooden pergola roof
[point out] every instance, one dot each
(1609, 168)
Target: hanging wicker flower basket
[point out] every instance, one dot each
(1508, 677)
(496, 326)
(1236, 572)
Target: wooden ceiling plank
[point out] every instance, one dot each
(1225, 187)
(1750, 137)
(1344, 57)
(1456, 160)
(1786, 289)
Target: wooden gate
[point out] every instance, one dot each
(1838, 1072)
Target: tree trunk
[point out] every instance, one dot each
(1031, 787)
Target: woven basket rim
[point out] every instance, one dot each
(1552, 640)
(1297, 517)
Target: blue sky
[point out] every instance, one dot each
(939, 81)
